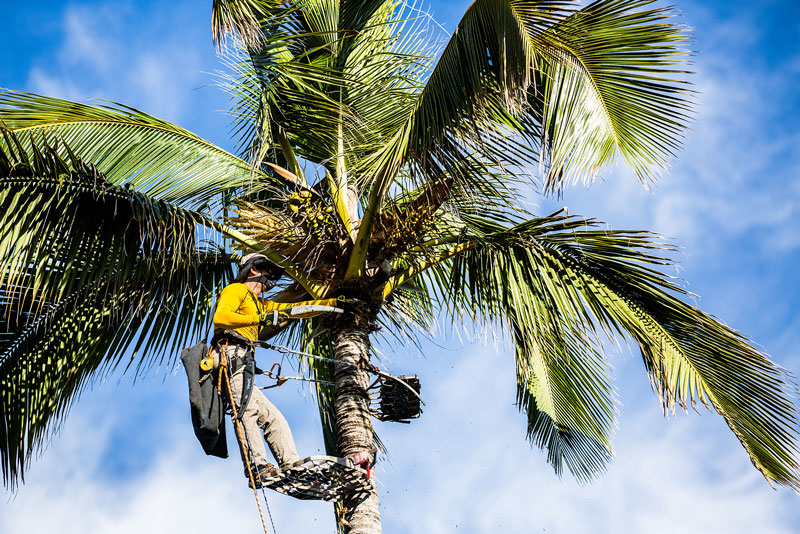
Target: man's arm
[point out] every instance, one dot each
(270, 305)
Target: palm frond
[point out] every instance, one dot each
(574, 278)
(48, 358)
(527, 84)
(479, 82)
(131, 148)
(562, 378)
(238, 17)
(88, 270)
(569, 405)
(325, 85)
(690, 356)
(273, 92)
(407, 314)
(76, 228)
(611, 84)
(357, 15)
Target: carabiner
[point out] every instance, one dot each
(279, 380)
(277, 376)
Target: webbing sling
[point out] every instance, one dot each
(248, 379)
(249, 371)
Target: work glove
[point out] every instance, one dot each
(272, 318)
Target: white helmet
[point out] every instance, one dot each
(260, 261)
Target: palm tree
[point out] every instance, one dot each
(374, 165)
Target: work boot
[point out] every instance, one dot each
(261, 474)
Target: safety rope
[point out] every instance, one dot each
(283, 379)
(368, 366)
(223, 365)
(287, 350)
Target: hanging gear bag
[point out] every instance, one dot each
(205, 400)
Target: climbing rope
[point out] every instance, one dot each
(281, 380)
(224, 371)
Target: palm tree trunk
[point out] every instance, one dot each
(353, 420)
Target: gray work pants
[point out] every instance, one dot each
(261, 415)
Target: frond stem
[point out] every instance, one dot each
(288, 153)
(177, 133)
(314, 289)
(417, 268)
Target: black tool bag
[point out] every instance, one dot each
(206, 402)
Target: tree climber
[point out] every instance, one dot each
(240, 314)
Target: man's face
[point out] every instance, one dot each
(259, 272)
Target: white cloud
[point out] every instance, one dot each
(464, 465)
(43, 83)
(155, 79)
(85, 44)
(103, 57)
(468, 467)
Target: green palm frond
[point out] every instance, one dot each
(562, 379)
(239, 17)
(482, 75)
(524, 84)
(690, 356)
(357, 15)
(89, 271)
(576, 279)
(310, 336)
(406, 318)
(611, 84)
(332, 91)
(276, 94)
(569, 404)
(77, 228)
(132, 148)
(48, 358)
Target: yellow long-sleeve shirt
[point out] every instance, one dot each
(236, 310)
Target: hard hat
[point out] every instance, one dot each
(259, 261)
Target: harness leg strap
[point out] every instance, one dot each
(248, 379)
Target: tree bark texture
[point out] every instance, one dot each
(353, 420)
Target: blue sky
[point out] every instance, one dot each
(126, 459)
